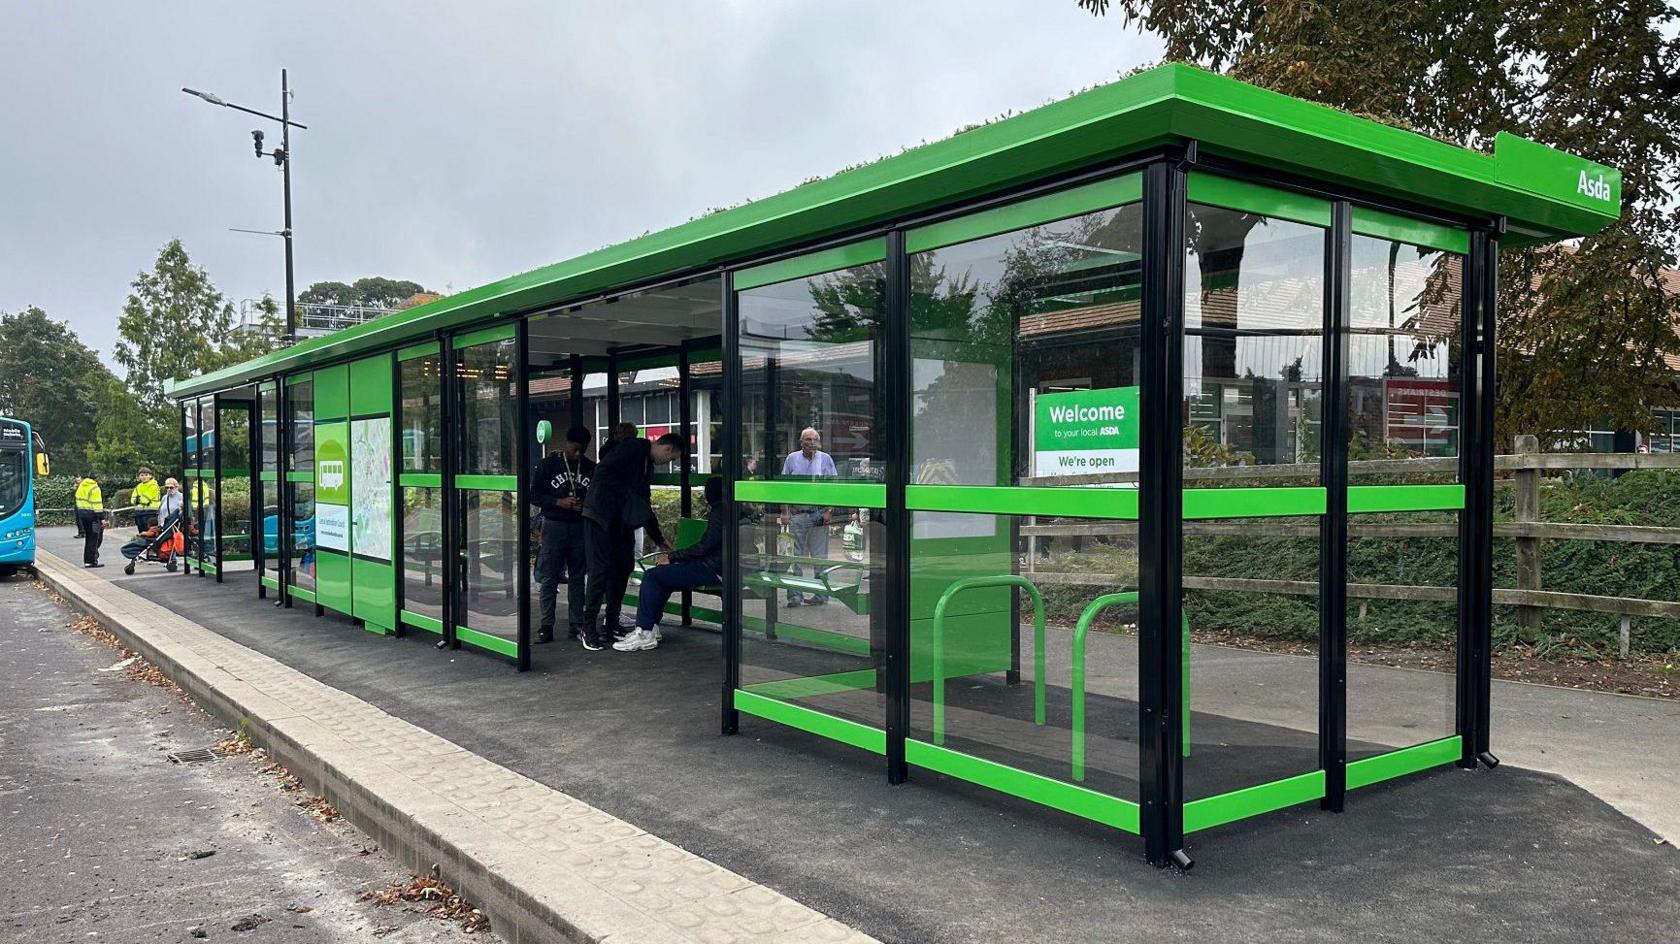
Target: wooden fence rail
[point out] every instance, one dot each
(1526, 467)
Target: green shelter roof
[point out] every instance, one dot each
(1544, 194)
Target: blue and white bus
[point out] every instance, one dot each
(21, 459)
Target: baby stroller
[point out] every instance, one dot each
(159, 544)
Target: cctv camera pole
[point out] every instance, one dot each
(286, 185)
(283, 158)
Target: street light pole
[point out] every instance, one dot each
(286, 185)
(282, 157)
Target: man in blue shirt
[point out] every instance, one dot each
(808, 523)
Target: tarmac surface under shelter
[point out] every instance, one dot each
(1450, 855)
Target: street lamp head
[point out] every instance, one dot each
(210, 97)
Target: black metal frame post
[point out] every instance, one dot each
(255, 442)
(216, 478)
(200, 491)
(1333, 526)
(615, 405)
(448, 381)
(575, 408)
(1475, 521)
(283, 462)
(685, 483)
(399, 501)
(1464, 716)
(187, 511)
(283, 533)
(730, 722)
(522, 495)
(894, 389)
(1485, 247)
(770, 528)
(1160, 518)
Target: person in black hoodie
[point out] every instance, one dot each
(557, 488)
(619, 501)
(698, 565)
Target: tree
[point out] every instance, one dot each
(175, 324)
(373, 291)
(1583, 328)
(128, 435)
(49, 378)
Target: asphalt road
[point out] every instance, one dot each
(98, 828)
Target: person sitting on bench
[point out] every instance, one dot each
(698, 565)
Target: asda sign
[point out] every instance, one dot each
(1085, 432)
(1596, 187)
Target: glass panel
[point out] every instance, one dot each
(986, 646)
(422, 415)
(489, 551)
(271, 527)
(488, 405)
(822, 652)
(1254, 321)
(189, 431)
(268, 412)
(809, 355)
(204, 500)
(1254, 318)
(268, 418)
(300, 400)
(706, 384)
(207, 434)
(1403, 404)
(423, 570)
(235, 483)
(1050, 311)
(302, 534)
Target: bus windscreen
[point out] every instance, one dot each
(14, 480)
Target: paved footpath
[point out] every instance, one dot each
(544, 866)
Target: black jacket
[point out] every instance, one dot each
(709, 548)
(558, 477)
(621, 493)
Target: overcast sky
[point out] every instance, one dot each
(454, 144)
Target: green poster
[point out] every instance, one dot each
(1085, 432)
(332, 486)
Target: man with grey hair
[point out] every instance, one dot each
(809, 523)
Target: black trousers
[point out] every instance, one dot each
(610, 561)
(562, 553)
(93, 535)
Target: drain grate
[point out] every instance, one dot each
(197, 755)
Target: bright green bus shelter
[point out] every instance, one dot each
(1173, 351)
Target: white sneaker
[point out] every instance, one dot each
(637, 641)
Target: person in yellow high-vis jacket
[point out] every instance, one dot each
(90, 511)
(146, 497)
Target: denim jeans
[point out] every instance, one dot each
(658, 583)
(810, 539)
